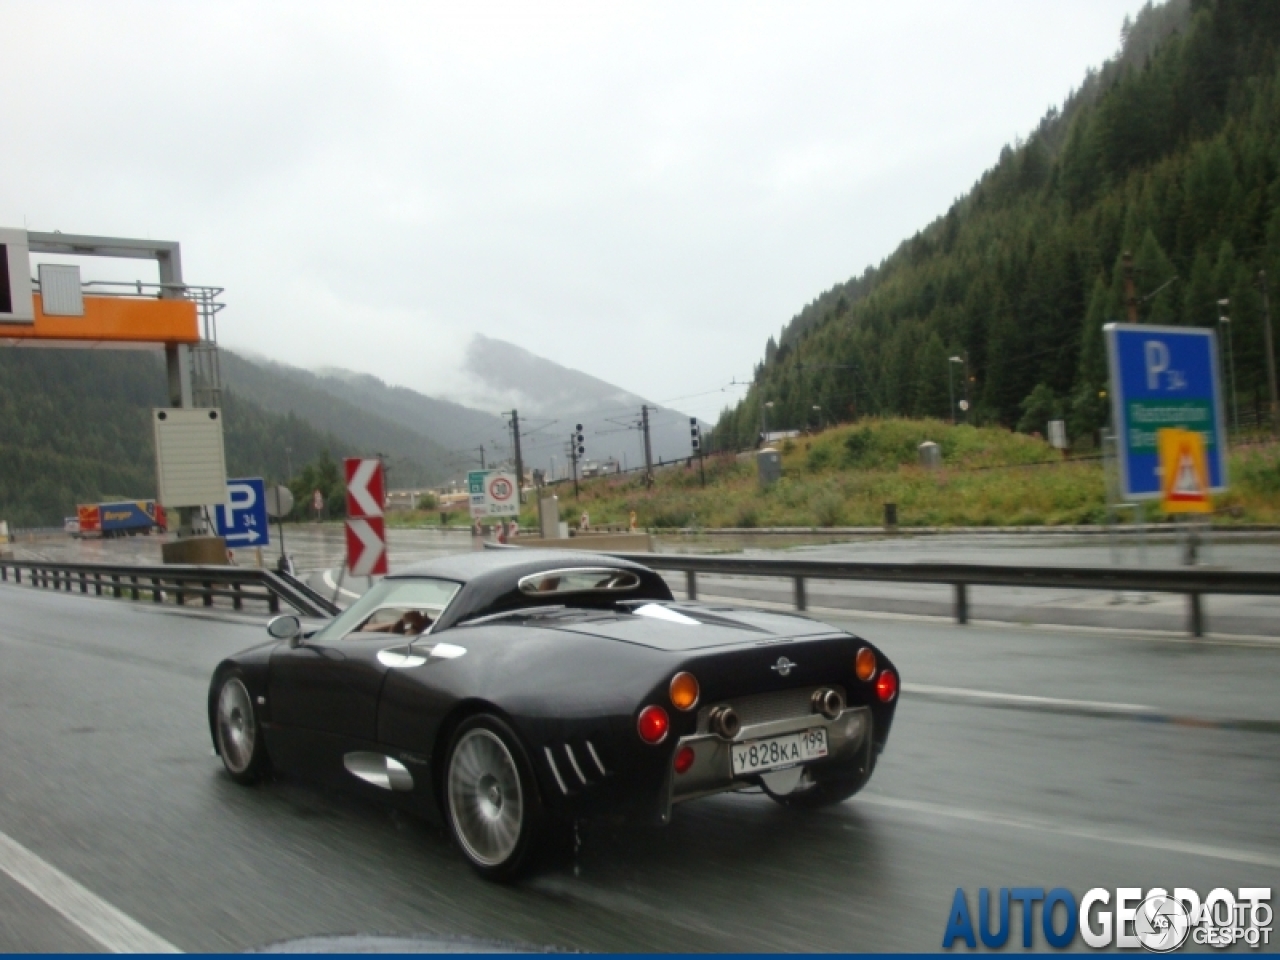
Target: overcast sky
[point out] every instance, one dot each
(644, 192)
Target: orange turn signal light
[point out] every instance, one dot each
(864, 665)
(684, 691)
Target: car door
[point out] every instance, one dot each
(327, 686)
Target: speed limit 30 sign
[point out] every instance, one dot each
(493, 494)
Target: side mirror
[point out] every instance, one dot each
(286, 627)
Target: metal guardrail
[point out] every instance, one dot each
(1192, 582)
(172, 582)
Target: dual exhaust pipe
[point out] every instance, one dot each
(725, 722)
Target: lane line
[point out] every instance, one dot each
(327, 577)
(103, 923)
(1162, 844)
(1083, 708)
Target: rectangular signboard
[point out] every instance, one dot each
(242, 520)
(191, 469)
(1163, 377)
(492, 494)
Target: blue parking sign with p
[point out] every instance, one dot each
(1163, 377)
(242, 520)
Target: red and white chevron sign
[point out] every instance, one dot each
(366, 529)
(366, 546)
(366, 487)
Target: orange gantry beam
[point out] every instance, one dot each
(107, 321)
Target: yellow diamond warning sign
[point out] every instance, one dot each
(1184, 472)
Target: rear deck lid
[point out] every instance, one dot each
(681, 627)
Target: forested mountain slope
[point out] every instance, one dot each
(1171, 151)
(75, 427)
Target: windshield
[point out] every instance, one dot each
(404, 607)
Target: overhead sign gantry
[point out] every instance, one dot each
(58, 309)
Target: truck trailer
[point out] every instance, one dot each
(120, 518)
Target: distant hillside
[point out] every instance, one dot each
(448, 424)
(75, 426)
(1170, 151)
(553, 398)
(413, 458)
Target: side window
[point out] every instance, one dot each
(393, 607)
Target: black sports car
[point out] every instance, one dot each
(516, 690)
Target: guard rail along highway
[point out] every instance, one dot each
(1194, 583)
(172, 583)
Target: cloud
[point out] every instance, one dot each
(643, 192)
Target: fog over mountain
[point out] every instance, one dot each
(552, 399)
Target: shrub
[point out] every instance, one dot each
(428, 501)
(827, 508)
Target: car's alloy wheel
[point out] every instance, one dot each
(239, 736)
(490, 796)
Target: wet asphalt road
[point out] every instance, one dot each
(106, 773)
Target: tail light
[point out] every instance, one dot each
(887, 686)
(684, 759)
(653, 724)
(864, 664)
(684, 691)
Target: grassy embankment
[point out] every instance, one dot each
(845, 475)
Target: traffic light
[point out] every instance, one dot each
(579, 442)
(695, 434)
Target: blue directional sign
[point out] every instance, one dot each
(1163, 377)
(242, 520)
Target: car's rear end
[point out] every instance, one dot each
(748, 698)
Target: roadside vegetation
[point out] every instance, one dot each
(844, 476)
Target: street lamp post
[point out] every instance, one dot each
(951, 386)
(1224, 321)
(764, 421)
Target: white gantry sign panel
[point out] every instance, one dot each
(191, 467)
(15, 278)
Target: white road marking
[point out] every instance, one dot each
(327, 577)
(1027, 700)
(1162, 844)
(107, 926)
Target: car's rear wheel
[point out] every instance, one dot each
(490, 798)
(240, 742)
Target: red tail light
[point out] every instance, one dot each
(887, 685)
(684, 760)
(653, 724)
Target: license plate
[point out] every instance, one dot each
(778, 752)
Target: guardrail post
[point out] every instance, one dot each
(17, 574)
(208, 593)
(84, 582)
(802, 602)
(691, 584)
(962, 603)
(156, 594)
(97, 584)
(115, 586)
(236, 602)
(1195, 614)
(273, 602)
(4, 573)
(134, 581)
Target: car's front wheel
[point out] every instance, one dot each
(490, 798)
(240, 742)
